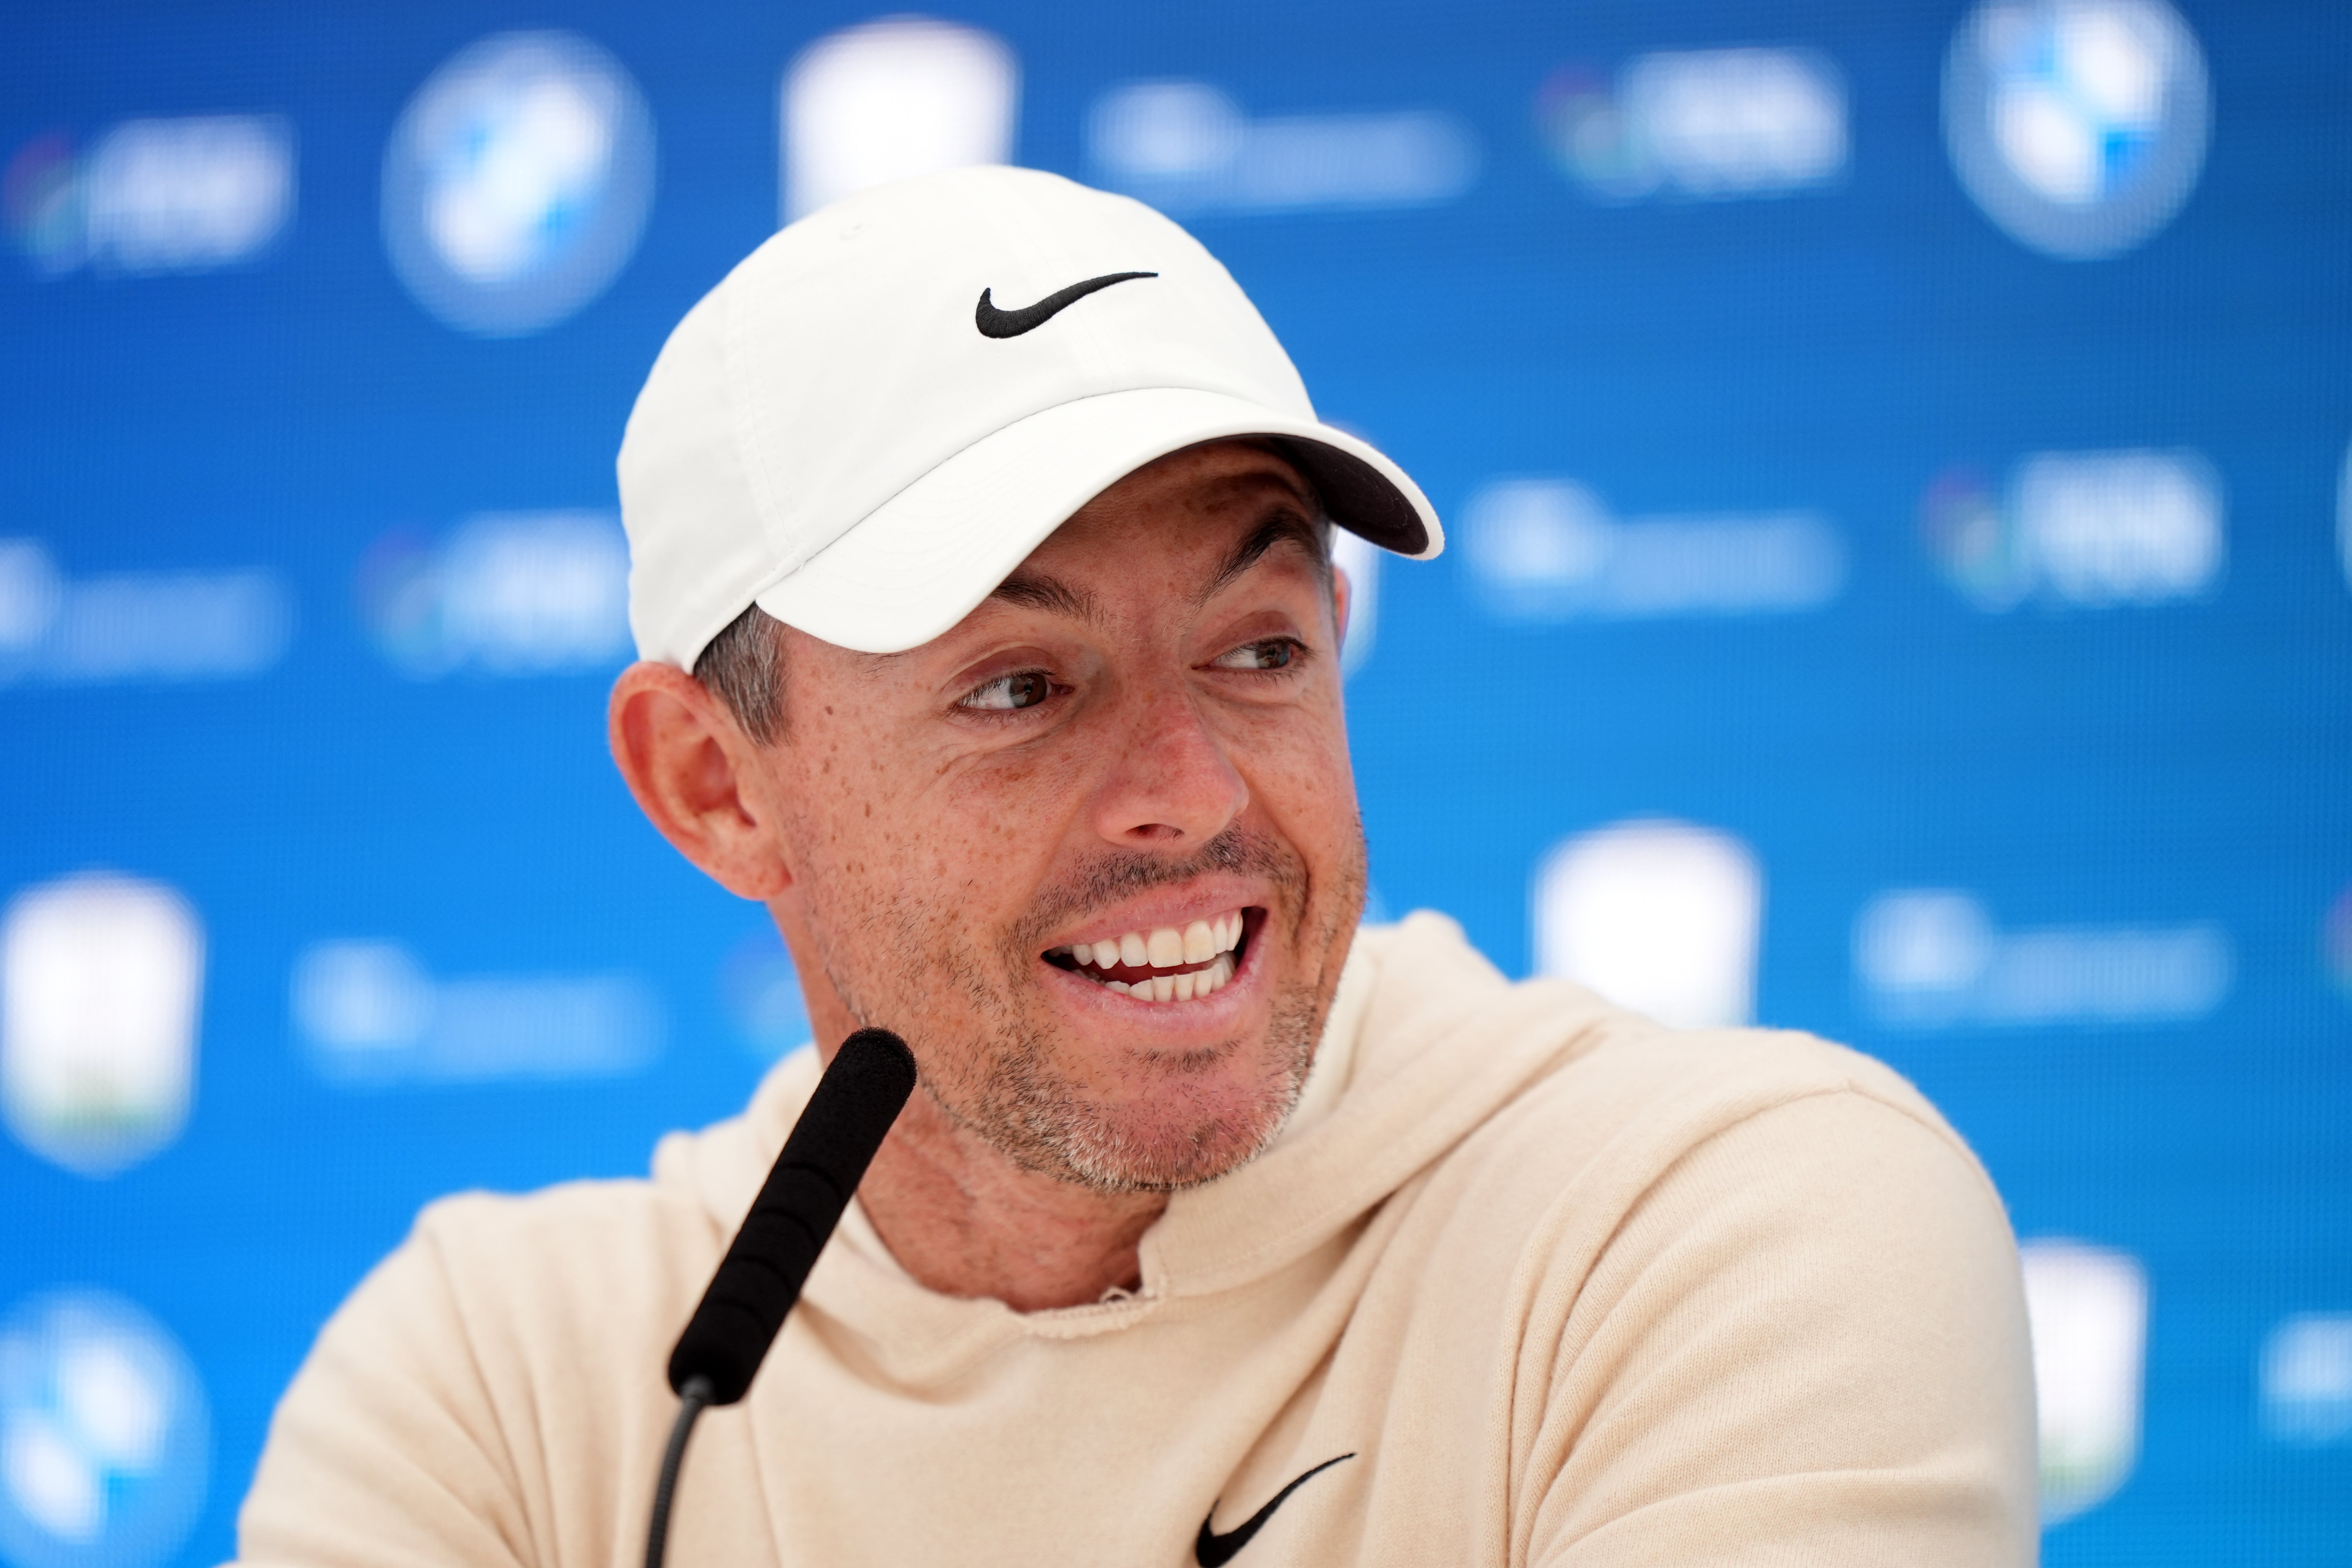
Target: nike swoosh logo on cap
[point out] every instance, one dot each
(1214, 1550)
(995, 323)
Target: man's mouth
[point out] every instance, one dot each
(1168, 963)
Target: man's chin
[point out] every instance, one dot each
(1164, 1145)
(1144, 1109)
(1167, 1162)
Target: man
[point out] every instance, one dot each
(993, 526)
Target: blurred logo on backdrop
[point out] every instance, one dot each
(1544, 551)
(2343, 517)
(150, 196)
(891, 99)
(136, 626)
(1659, 915)
(2079, 126)
(102, 977)
(1930, 958)
(2087, 1309)
(1703, 125)
(504, 594)
(105, 1441)
(517, 182)
(2336, 942)
(2080, 529)
(370, 1014)
(2305, 1380)
(1187, 147)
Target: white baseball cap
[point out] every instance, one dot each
(870, 422)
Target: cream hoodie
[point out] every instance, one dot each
(1564, 1285)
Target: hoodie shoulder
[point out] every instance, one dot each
(1437, 994)
(443, 1414)
(581, 1257)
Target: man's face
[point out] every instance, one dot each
(1095, 851)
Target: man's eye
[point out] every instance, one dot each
(1274, 653)
(1008, 693)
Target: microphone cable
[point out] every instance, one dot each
(692, 1401)
(756, 1284)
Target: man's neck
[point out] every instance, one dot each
(965, 1221)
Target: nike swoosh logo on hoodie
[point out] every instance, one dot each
(1214, 1550)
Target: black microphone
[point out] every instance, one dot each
(823, 1162)
(757, 1282)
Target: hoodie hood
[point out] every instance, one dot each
(1426, 1041)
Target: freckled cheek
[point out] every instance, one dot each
(1302, 761)
(966, 840)
(1011, 804)
(852, 807)
(1300, 778)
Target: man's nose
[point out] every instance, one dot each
(1172, 783)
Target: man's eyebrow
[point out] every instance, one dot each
(1286, 522)
(1038, 591)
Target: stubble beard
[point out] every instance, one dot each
(1008, 1089)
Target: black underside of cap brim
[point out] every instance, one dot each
(1358, 497)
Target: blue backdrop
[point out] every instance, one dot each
(1893, 456)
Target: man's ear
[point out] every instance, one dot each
(1342, 594)
(692, 770)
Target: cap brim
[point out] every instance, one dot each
(920, 562)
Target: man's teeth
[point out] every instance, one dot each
(1189, 986)
(1209, 941)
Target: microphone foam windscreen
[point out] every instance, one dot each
(824, 1160)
